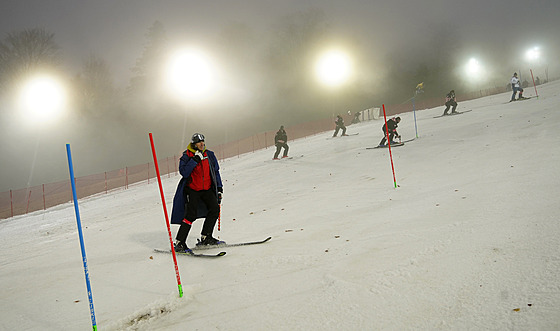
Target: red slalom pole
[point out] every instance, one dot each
(166, 217)
(389, 142)
(534, 83)
(220, 218)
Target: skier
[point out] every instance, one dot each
(199, 187)
(392, 124)
(450, 100)
(339, 125)
(515, 87)
(280, 140)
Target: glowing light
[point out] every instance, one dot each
(189, 74)
(333, 68)
(533, 54)
(473, 67)
(42, 99)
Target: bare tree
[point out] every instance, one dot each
(95, 86)
(25, 51)
(147, 68)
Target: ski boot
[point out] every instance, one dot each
(181, 247)
(209, 240)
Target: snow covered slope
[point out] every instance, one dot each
(470, 239)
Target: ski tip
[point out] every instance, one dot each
(221, 254)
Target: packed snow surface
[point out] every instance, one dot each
(468, 240)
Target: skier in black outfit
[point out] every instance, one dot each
(450, 100)
(280, 140)
(392, 124)
(339, 125)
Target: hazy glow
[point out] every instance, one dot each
(333, 68)
(473, 68)
(533, 54)
(42, 99)
(189, 74)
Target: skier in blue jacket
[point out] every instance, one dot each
(199, 194)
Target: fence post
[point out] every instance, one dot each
(126, 178)
(28, 198)
(11, 203)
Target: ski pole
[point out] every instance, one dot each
(81, 236)
(166, 217)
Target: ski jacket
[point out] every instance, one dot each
(392, 125)
(514, 82)
(339, 121)
(196, 176)
(450, 97)
(281, 136)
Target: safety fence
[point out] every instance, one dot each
(23, 201)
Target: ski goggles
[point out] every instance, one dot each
(197, 137)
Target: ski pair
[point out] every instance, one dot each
(197, 248)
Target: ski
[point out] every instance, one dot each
(209, 256)
(456, 113)
(386, 146)
(346, 135)
(196, 248)
(521, 99)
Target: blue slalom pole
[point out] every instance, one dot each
(88, 285)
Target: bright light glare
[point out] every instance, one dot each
(533, 54)
(473, 67)
(189, 74)
(333, 68)
(42, 99)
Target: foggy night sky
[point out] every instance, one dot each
(497, 32)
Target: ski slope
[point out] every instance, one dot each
(469, 240)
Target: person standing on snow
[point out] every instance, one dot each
(515, 87)
(339, 125)
(281, 141)
(450, 100)
(200, 186)
(392, 124)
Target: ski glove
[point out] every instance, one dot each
(220, 193)
(198, 157)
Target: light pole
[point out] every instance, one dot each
(41, 100)
(189, 76)
(333, 69)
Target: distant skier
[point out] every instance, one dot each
(280, 140)
(339, 125)
(450, 101)
(199, 187)
(356, 118)
(516, 87)
(392, 124)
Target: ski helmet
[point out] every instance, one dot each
(197, 137)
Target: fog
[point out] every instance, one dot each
(264, 52)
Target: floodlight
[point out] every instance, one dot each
(189, 74)
(333, 68)
(42, 99)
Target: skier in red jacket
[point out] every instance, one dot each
(199, 187)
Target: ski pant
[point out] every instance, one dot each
(391, 136)
(515, 89)
(448, 104)
(279, 146)
(338, 127)
(208, 197)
